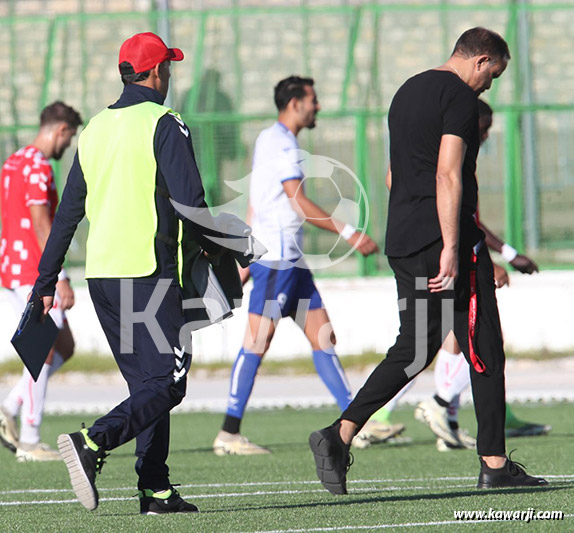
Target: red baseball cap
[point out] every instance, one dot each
(146, 50)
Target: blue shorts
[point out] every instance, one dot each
(277, 293)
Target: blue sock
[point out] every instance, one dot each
(331, 372)
(242, 380)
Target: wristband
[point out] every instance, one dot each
(62, 275)
(508, 253)
(347, 232)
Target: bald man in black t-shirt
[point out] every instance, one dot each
(444, 274)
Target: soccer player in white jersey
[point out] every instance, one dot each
(282, 284)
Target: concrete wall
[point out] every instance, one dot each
(537, 313)
(253, 51)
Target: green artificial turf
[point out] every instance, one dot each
(396, 487)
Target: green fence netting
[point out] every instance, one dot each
(358, 52)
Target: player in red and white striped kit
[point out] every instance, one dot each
(28, 201)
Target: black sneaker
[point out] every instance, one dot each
(167, 501)
(83, 458)
(526, 429)
(512, 474)
(332, 458)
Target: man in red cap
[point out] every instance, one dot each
(144, 51)
(133, 159)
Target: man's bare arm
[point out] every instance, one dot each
(448, 200)
(313, 214)
(520, 262)
(40, 215)
(244, 272)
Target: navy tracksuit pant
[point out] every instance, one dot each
(156, 372)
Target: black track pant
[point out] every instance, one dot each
(425, 322)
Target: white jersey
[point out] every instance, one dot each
(275, 223)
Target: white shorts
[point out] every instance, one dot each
(19, 299)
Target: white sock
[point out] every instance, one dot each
(391, 404)
(451, 374)
(33, 400)
(13, 401)
(57, 362)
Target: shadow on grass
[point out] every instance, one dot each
(553, 435)
(350, 499)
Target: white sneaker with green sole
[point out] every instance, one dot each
(38, 452)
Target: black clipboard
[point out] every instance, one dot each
(35, 336)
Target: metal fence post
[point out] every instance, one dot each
(513, 202)
(529, 145)
(367, 265)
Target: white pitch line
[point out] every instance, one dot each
(389, 526)
(248, 484)
(228, 495)
(279, 483)
(247, 494)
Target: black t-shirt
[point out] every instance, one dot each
(429, 105)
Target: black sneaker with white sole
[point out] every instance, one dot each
(167, 501)
(332, 458)
(512, 474)
(83, 459)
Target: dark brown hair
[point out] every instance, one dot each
(289, 88)
(480, 41)
(60, 112)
